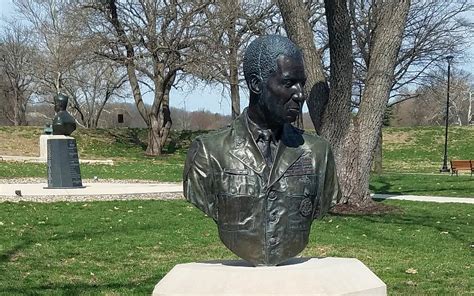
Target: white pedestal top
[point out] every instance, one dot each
(304, 276)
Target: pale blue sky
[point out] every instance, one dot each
(212, 98)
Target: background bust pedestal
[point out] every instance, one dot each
(63, 163)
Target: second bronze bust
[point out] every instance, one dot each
(63, 122)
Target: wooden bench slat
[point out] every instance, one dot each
(464, 165)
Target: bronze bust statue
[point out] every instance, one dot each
(63, 122)
(262, 180)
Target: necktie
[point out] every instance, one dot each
(264, 145)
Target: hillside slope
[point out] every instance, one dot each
(416, 149)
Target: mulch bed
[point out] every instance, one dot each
(370, 208)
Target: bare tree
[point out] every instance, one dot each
(16, 61)
(434, 29)
(181, 119)
(233, 24)
(154, 41)
(54, 32)
(91, 86)
(66, 59)
(352, 136)
(430, 106)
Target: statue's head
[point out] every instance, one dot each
(274, 72)
(261, 55)
(60, 102)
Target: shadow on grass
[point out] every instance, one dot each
(419, 218)
(181, 140)
(132, 136)
(420, 185)
(144, 287)
(428, 191)
(9, 255)
(386, 185)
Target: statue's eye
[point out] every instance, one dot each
(288, 83)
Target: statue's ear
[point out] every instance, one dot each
(255, 84)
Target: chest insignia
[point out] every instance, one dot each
(306, 207)
(239, 142)
(303, 166)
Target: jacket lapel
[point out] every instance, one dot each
(243, 146)
(289, 151)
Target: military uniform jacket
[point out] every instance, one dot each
(263, 213)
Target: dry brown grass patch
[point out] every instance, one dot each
(15, 145)
(397, 138)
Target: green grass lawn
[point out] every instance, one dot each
(411, 158)
(423, 184)
(421, 149)
(122, 170)
(125, 248)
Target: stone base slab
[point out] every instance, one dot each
(299, 276)
(44, 144)
(63, 163)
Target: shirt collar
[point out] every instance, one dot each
(257, 132)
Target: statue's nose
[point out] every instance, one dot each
(299, 93)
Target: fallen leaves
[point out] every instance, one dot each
(411, 271)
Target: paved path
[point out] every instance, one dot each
(36, 159)
(97, 189)
(440, 199)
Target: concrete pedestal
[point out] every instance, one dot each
(44, 146)
(304, 276)
(63, 163)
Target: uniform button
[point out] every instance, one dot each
(233, 190)
(274, 217)
(273, 241)
(272, 195)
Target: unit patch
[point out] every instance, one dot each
(306, 207)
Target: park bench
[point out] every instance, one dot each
(462, 165)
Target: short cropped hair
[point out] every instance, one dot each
(261, 55)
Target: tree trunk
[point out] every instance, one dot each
(377, 167)
(233, 61)
(19, 110)
(234, 83)
(160, 116)
(387, 36)
(150, 118)
(295, 18)
(469, 110)
(165, 118)
(339, 104)
(353, 137)
(154, 140)
(16, 112)
(154, 143)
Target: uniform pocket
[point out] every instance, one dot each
(238, 192)
(300, 211)
(235, 212)
(238, 182)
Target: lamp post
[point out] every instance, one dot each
(445, 159)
